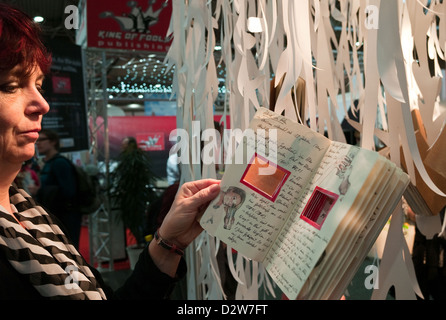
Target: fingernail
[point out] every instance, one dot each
(214, 188)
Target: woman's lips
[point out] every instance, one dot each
(32, 134)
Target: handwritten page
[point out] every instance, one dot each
(252, 225)
(354, 235)
(302, 242)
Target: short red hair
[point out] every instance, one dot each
(20, 42)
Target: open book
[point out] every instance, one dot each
(306, 207)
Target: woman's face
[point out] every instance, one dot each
(21, 109)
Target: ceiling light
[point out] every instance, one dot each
(38, 19)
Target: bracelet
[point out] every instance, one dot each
(167, 245)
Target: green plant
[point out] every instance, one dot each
(133, 182)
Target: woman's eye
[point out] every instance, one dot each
(9, 88)
(39, 88)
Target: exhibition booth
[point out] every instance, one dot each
(365, 73)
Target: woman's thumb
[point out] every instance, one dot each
(207, 194)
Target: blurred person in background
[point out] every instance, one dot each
(58, 184)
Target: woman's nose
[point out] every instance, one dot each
(37, 102)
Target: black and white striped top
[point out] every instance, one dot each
(38, 249)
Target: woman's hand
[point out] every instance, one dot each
(181, 225)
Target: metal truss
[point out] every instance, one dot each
(100, 229)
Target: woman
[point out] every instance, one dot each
(37, 260)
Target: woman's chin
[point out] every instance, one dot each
(27, 153)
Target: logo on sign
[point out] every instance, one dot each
(137, 19)
(151, 141)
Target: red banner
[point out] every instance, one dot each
(134, 24)
(142, 127)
